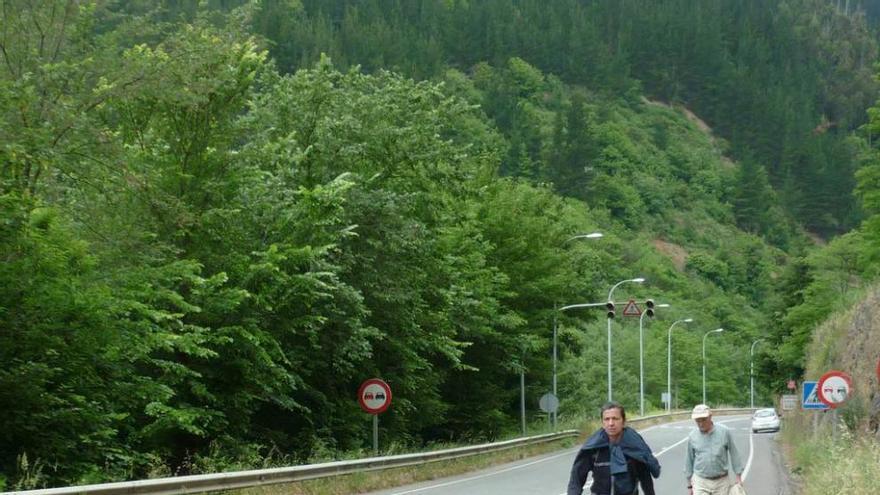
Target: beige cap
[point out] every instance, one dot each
(701, 411)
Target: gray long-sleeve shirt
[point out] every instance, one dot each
(707, 453)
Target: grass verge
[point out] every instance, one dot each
(823, 465)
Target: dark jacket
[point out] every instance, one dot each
(629, 461)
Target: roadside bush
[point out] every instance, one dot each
(850, 464)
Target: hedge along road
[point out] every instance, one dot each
(548, 474)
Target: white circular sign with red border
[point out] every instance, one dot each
(834, 388)
(374, 396)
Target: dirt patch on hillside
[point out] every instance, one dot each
(727, 163)
(684, 110)
(676, 253)
(817, 240)
(696, 120)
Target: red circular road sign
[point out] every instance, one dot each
(374, 396)
(834, 388)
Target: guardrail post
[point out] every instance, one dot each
(203, 483)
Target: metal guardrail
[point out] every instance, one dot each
(202, 483)
(245, 479)
(687, 415)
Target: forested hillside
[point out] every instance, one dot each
(212, 233)
(782, 82)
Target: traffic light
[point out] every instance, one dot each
(610, 307)
(650, 307)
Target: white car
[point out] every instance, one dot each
(765, 420)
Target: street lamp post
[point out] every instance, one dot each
(704, 359)
(669, 362)
(592, 235)
(522, 395)
(611, 301)
(642, 361)
(752, 374)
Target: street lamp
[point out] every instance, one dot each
(610, 315)
(642, 360)
(704, 360)
(592, 235)
(752, 373)
(669, 362)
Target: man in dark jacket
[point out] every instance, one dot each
(618, 457)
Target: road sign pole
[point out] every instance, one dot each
(376, 435)
(550, 405)
(374, 397)
(834, 426)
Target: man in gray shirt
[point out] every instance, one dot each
(708, 449)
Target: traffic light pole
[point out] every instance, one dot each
(610, 306)
(611, 315)
(649, 311)
(642, 365)
(609, 354)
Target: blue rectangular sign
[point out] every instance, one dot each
(810, 397)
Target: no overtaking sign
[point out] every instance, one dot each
(834, 388)
(374, 396)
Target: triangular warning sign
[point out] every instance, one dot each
(632, 309)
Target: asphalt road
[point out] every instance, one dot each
(548, 474)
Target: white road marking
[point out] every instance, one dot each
(751, 454)
(751, 447)
(676, 444)
(482, 475)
